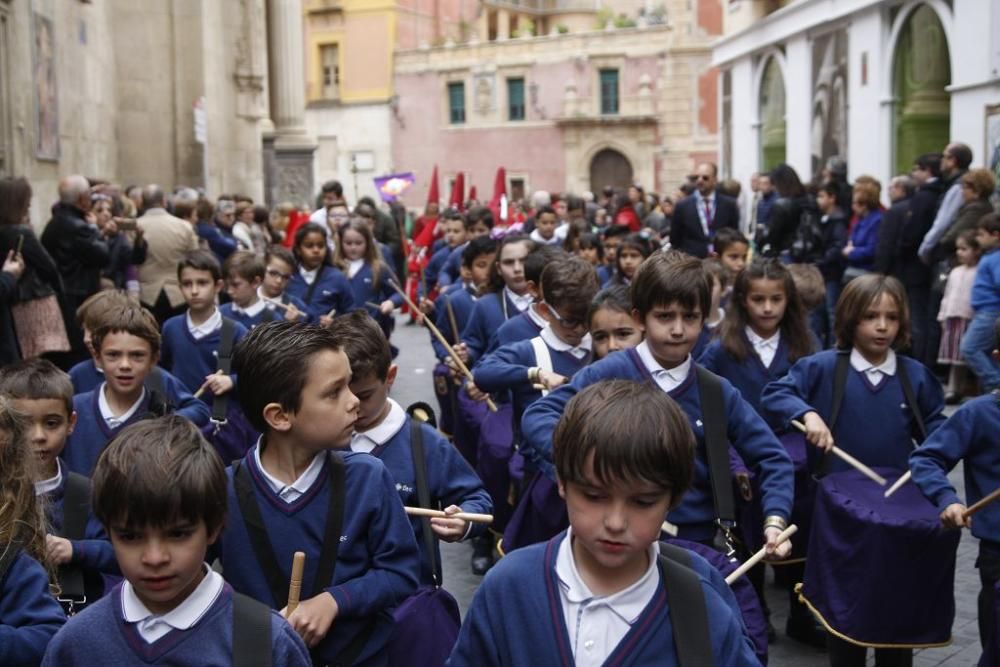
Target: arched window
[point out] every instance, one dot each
(772, 116)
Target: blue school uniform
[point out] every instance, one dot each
(875, 423)
(491, 311)
(191, 359)
(365, 289)
(604, 274)
(516, 618)
(463, 302)
(521, 327)
(86, 377)
(101, 633)
(377, 560)
(29, 615)
(94, 551)
(220, 244)
(92, 433)
(452, 268)
(748, 434)
(269, 314)
(331, 291)
(433, 269)
(450, 481)
(749, 376)
(970, 435)
(506, 369)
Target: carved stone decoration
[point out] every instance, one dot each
(293, 172)
(250, 70)
(484, 94)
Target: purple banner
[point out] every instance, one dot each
(392, 186)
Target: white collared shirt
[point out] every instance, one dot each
(597, 624)
(291, 492)
(366, 441)
(307, 275)
(205, 328)
(550, 338)
(666, 379)
(520, 301)
(110, 418)
(254, 310)
(537, 237)
(52, 483)
(540, 321)
(182, 617)
(354, 266)
(700, 203)
(874, 373)
(765, 348)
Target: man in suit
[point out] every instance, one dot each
(697, 218)
(80, 252)
(168, 238)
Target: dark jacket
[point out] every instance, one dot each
(967, 218)
(123, 253)
(887, 250)
(686, 233)
(77, 248)
(923, 209)
(40, 278)
(832, 263)
(785, 216)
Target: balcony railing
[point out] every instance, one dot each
(545, 6)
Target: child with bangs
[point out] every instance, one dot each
(611, 325)
(160, 490)
(601, 592)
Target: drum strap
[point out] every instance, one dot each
(424, 496)
(76, 502)
(821, 463)
(251, 632)
(713, 416)
(688, 611)
(225, 358)
(911, 399)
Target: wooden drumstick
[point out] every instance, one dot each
(295, 584)
(455, 333)
(201, 390)
(848, 459)
(669, 528)
(898, 483)
(438, 514)
(277, 304)
(20, 244)
(983, 502)
(759, 556)
(372, 304)
(441, 339)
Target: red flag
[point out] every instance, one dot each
(457, 199)
(295, 220)
(433, 196)
(472, 193)
(499, 196)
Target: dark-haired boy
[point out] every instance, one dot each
(546, 222)
(600, 593)
(160, 491)
(245, 272)
(478, 223)
(77, 543)
(455, 235)
(969, 436)
(127, 344)
(279, 267)
(288, 494)
(529, 323)
(197, 344)
(669, 298)
(385, 430)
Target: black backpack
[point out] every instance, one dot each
(807, 245)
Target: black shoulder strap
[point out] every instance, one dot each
(76, 506)
(225, 357)
(713, 416)
(334, 525)
(911, 399)
(159, 403)
(257, 532)
(839, 385)
(315, 284)
(8, 556)
(424, 495)
(154, 381)
(688, 611)
(251, 632)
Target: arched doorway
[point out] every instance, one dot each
(772, 116)
(609, 167)
(921, 72)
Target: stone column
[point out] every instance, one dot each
(291, 169)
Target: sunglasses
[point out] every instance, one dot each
(704, 178)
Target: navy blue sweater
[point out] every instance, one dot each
(101, 630)
(94, 551)
(86, 377)
(29, 615)
(190, 359)
(875, 423)
(269, 314)
(521, 327)
(748, 434)
(92, 433)
(491, 311)
(450, 481)
(970, 435)
(332, 291)
(462, 304)
(377, 562)
(749, 376)
(506, 369)
(516, 618)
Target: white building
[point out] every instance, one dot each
(876, 81)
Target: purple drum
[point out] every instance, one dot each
(880, 571)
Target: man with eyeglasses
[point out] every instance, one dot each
(955, 162)
(697, 218)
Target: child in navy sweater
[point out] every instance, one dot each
(385, 430)
(529, 323)
(29, 615)
(669, 297)
(288, 494)
(369, 275)
(624, 455)
(321, 286)
(76, 541)
(611, 325)
(455, 235)
(160, 490)
(246, 274)
(279, 267)
(128, 346)
(969, 436)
